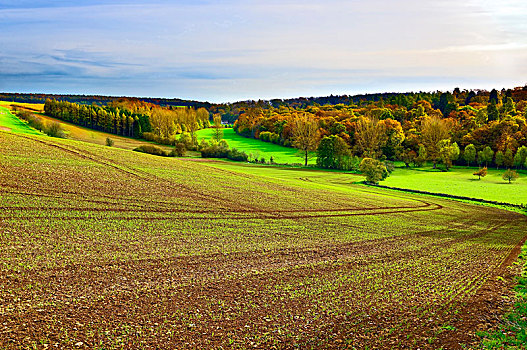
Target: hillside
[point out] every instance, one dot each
(103, 247)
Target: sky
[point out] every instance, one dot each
(232, 50)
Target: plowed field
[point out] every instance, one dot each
(103, 248)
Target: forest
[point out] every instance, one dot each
(132, 117)
(463, 127)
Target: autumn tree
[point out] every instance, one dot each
(510, 175)
(482, 172)
(433, 131)
(305, 137)
(369, 136)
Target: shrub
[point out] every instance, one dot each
(31, 119)
(109, 142)
(373, 169)
(54, 130)
(151, 149)
(179, 150)
(235, 154)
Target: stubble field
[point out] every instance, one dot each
(104, 248)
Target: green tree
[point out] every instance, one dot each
(109, 142)
(492, 111)
(448, 152)
(508, 158)
(510, 175)
(331, 152)
(373, 169)
(421, 156)
(522, 151)
(488, 155)
(469, 154)
(500, 158)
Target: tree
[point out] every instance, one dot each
(109, 142)
(306, 137)
(492, 112)
(422, 156)
(373, 169)
(433, 131)
(510, 175)
(482, 172)
(217, 133)
(499, 159)
(448, 152)
(331, 152)
(522, 154)
(488, 154)
(469, 154)
(508, 158)
(369, 137)
(493, 97)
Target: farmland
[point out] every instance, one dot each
(188, 253)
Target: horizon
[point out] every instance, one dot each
(229, 51)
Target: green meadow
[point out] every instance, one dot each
(460, 181)
(9, 122)
(258, 148)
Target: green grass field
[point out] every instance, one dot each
(460, 181)
(258, 148)
(116, 249)
(9, 122)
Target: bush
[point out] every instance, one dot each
(31, 119)
(235, 154)
(55, 130)
(150, 136)
(214, 149)
(373, 169)
(109, 142)
(151, 149)
(179, 150)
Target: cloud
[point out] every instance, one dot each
(220, 50)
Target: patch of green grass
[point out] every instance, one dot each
(460, 181)
(258, 148)
(9, 122)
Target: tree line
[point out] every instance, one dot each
(132, 118)
(459, 127)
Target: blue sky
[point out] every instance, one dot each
(232, 50)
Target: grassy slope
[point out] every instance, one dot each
(11, 123)
(461, 182)
(279, 153)
(164, 252)
(80, 133)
